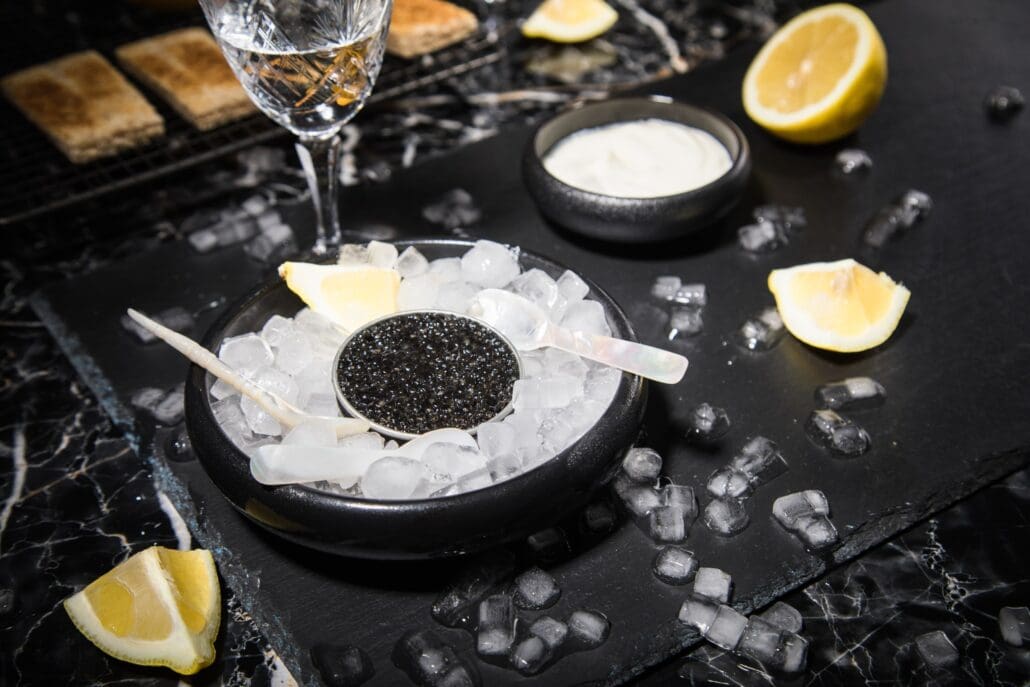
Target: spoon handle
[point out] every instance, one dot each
(647, 361)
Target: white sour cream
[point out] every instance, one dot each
(647, 158)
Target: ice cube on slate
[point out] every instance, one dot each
(784, 616)
(1014, 623)
(850, 393)
(313, 433)
(587, 317)
(698, 613)
(917, 203)
(668, 524)
(665, 287)
(897, 216)
(342, 666)
(760, 459)
(452, 210)
(638, 499)
(726, 628)
(679, 495)
(489, 265)
(411, 263)
(176, 318)
(852, 161)
(474, 583)
(726, 516)
(203, 240)
(549, 544)
(707, 423)
(245, 354)
(495, 630)
(1003, 102)
(536, 589)
(674, 565)
(761, 640)
(695, 295)
(449, 462)
(936, 650)
(839, 434)
(393, 478)
(713, 584)
(761, 331)
(685, 321)
(784, 217)
(642, 464)
(815, 532)
(789, 508)
(530, 655)
(598, 517)
(572, 287)
(418, 292)
(729, 482)
(589, 627)
(549, 629)
(759, 238)
(429, 662)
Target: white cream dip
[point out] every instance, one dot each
(646, 158)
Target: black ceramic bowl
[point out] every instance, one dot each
(427, 528)
(611, 218)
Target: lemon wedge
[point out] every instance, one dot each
(348, 295)
(158, 607)
(838, 306)
(819, 77)
(569, 21)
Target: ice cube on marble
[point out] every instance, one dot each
(489, 265)
(572, 287)
(937, 650)
(411, 263)
(246, 354)
(166, 407)
(761, 237)
(639, 500)
(681, 496)
(446, 269)
(816, 532)
(784, 616)
(589, 627)
(382, 255)
(693, 295)
(551, 630)
(1014, 624)
(342, 666)
(761, 331)
(313, 433)
(840, 435)
(587, 317)
(852, 161)
(530, 655)
(707, 423)
(393, 478)
(726, 629)
(454, 296)
(552, 392)
(665, 287)
(449, 462)
(853, 392)
(713, 584)
(668, 524)
(685, 321)
(792, 654)
(788, 509)
(642, 464)
(760, 459)
(175, 318)
(761, 641)
(728, 482)
(675, 566)
(536, 589)
(495, 630)
(418, 292)
(698, 612)
(1003, 102)
(258, 420)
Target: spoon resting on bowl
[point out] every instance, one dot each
(528, 327)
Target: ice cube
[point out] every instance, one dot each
(665, 287)
(454, 296)
(759, 238)
(477, 479)
(674, 565)
(504, 467)
(156, 403)
(601, 384)
(342, 666)
(642, 465)
(559, 362)
(258, 420)
(730, 483)
(536, 589)
(554, 392)
(222, 389)
(496, 439)
(784, 217)
(536, 286)
(495, 630)
(761, 640)
(852, 161)
(549, 629)
(203, 240)
(473, 584)
(695, 295)
(1004, 102)
(854, 392)
(598, 517)
(229, 416)
(277, 382)
(760, 459)
(668, 524)
(276, 329)
(707, 423)
(453, 210)
(726, 628)
(382, 255)
(918, 204)
(176, 318)
(313, 433)
(572, 287)
(896, 217)
(245, 354)
(713, 584)
(589, 627)
(254, 205)
(789, 508)
(412, 263)
(815, 532)
(530, 655)
(459, 676)
(784, 616)
(761, 331)
(842, 436)
(235, 229)
(685, 321)
(489, 264)
(1014, 623)
(426, 660)
(294, 353)
(169, 410)
(393, 478)
(681, 496)
(450, 462)
(792, 654)
(446, 269)
(587, 317)
(936, 650)
(698, 612)
(638, 499)
(272, 245)
(352, 254)
(418, 292)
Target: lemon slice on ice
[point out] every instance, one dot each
(570, 21)
(838, 306)
(348, 295)
(158, 607)
(819, 77)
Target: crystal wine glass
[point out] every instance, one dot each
(309, 65)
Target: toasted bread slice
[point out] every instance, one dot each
(188, 70)
(422, 26)
(84, 105)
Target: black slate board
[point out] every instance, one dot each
(957, 415)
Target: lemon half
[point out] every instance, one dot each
(158, 607)
(570, 21)
(838, 306)
(347, 295)
(819, 77)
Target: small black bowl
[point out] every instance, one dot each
(417, 529)
(632, 220)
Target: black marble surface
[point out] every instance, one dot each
(76, 499)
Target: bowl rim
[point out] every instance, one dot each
(630, 386)
(738, 162)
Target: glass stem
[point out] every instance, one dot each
(320, 158)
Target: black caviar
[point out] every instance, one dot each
(421, 371)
